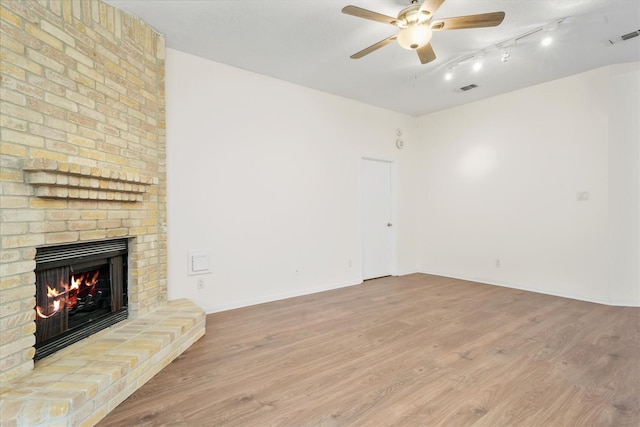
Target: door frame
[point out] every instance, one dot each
(393, 209)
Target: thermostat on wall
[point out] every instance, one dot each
(199, 262)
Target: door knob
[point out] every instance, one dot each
(389, 224)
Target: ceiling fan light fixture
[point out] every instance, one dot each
(416, 27)
(414, 36)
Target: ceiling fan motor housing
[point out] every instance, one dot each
(412, 15)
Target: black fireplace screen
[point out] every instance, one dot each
(80, 289)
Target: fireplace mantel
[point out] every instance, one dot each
(61, 180)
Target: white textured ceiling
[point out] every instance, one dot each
(308, 42)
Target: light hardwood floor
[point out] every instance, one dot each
(417, 350)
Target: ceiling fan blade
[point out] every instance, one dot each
(470, 21)
(368, 14)
(431, 6)
(426, 53)
(374, 47)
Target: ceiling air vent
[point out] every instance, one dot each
(625, 37)
(468, 87)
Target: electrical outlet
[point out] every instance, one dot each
(582, 196)
(498, 262)
(200, 283)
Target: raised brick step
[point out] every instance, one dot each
(80, 384)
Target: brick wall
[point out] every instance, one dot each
(82, 151)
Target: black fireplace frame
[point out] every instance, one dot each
(76, 256)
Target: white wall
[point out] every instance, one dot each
(266, 175)
(499, 179)
(624, 184)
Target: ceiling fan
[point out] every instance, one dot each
(416, 26)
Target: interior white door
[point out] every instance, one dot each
(377, 228)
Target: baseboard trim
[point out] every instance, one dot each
(615, 303)
(307, 291)
(279, 296)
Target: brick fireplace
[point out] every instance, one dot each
(82, 153)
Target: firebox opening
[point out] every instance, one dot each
(80, 290)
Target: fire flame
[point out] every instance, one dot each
(56, 308)
(75, 283)
(80, 286)
(94, 279)
(53, 293)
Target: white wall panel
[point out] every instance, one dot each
(499, 180)
(265, 174)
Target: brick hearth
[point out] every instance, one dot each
(80, 384)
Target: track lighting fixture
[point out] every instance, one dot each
(503, 47)
(450, 73)
(504, 56)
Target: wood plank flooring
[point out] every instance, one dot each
(416, 350)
